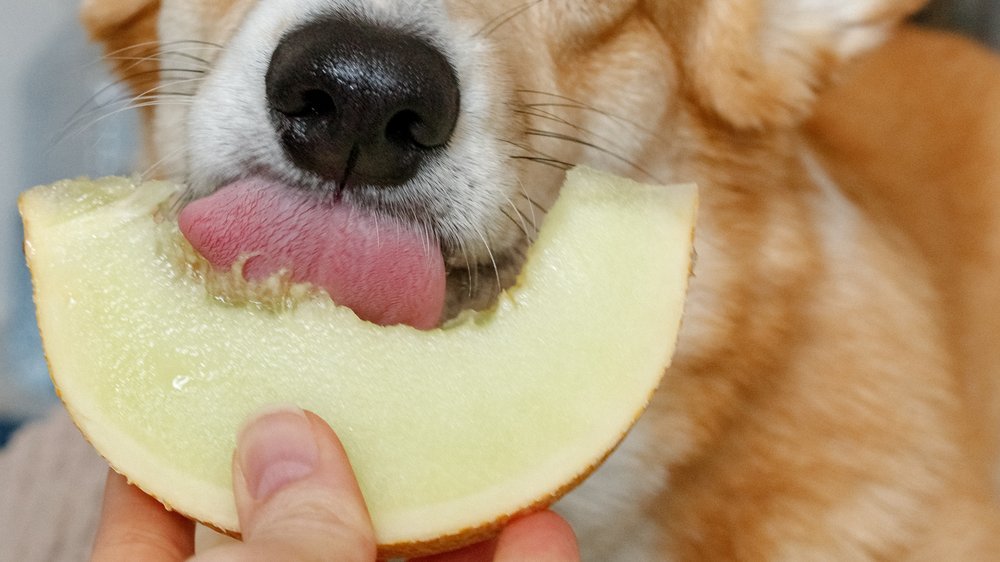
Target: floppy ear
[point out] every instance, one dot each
(127, 29)
(760, 63)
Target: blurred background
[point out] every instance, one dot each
(977, 18)
(51, 82)
(63, 116)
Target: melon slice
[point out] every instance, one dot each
(451, 431)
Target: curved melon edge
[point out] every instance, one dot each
(441, 542)
(442, 539)
(404, 548)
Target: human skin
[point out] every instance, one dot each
(297, 499)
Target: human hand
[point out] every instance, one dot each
(297, 500)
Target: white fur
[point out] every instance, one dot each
(848, 24)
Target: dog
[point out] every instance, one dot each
(834, 393)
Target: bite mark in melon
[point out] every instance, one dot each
(451, 431)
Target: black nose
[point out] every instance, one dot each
(360, 104)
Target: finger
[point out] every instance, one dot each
(481, 552)
(296, 493)
(134, 526)
(540, 537)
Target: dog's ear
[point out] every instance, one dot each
(760, 63)
(127, 29)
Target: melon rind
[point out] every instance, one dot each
(451, 431)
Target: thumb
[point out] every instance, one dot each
(296, 494)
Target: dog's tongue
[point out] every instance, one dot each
(386, 272)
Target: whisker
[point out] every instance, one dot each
(601, 112)
(564, 166)
(171, 84)
(571, 103)
(157, 45)
(186, 196)
(524, 191)
(472, 273)
(489, 251)
(75, 129)
(161, 56)
(537, 156)
(159, 92)
(92, 99)
(153, 51)
(147, 45)
(531, 207)
(505, 17)
(147, 173)
(130, 103)
(547, 115)
(535, 204)
(427, 233)
(523, 220)
(139, 74)
(520, 224)
(121, 83)
(529, 148)
(574, 140)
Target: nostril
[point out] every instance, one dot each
(407, 128)
(307, 103)
(399, 129)
(317, 103)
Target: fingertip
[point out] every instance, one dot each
(276, 448)
(541, 536)
(135, 526)
(480, 552)
(332, 448)
(295, 487)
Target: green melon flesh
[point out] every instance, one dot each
(451, 431)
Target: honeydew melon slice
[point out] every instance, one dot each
(451, 431)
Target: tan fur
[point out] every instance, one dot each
(128, 31)
(935, 178)
(834, 393)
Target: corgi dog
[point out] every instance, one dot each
(834, 392)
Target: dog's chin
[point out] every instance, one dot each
(477, 286)
(475, 277)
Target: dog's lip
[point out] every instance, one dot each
(388, 272)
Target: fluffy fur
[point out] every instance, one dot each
(834, 392)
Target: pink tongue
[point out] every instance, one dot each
(387, 273)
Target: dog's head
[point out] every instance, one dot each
(459, 116)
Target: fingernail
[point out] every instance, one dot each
(276, 448)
